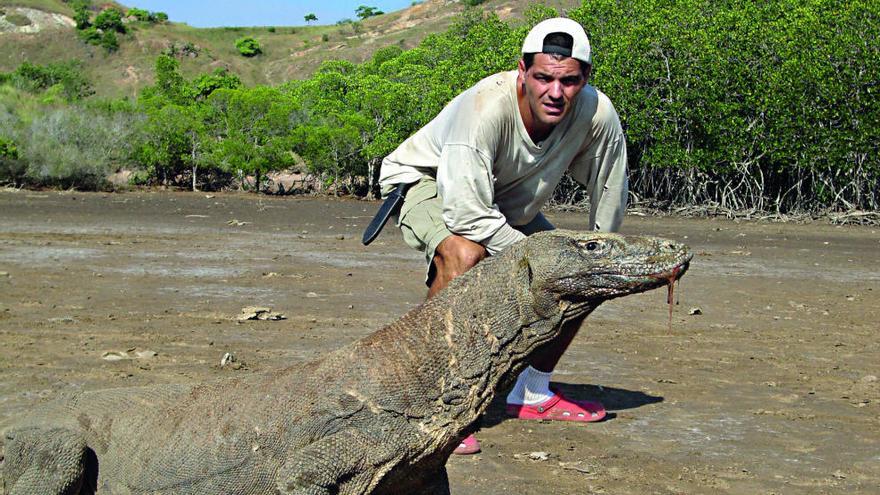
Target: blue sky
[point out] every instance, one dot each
(260, 12)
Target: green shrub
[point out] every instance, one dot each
(271, 29)
(110, 19)
(752, 105)
(385, 54)
(69, 75)
(364, 12)
(102, 32)
(248, 46)
(139, 178)
(139, 14)
(205, 84)
(76, 146)
(90, 35)
(8, 149)
(12, 169)
(325, 37)
(82, 16)
(158, 17)
(109, 41)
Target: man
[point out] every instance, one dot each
(477, 176)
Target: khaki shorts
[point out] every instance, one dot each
(421, 221)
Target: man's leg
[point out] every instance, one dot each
(453, 256)
(532, 387)
(548, 358)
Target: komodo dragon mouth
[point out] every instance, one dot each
(642, 279)
(670, 275)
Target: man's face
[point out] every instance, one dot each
(549, 87)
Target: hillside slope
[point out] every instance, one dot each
(288, 52)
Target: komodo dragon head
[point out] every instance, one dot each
(576, 271)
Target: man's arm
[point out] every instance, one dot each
(602, 169)
(466, 186)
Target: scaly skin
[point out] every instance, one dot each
(381, 415)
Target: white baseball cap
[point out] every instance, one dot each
(580, 48)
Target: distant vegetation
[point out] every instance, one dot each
(103, 28)
(769, 106)
(248, 46)
(66, 78)
(148, 17)
(364, 12)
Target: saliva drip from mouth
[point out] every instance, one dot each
(670, 294)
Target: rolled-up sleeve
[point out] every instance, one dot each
(466, 187)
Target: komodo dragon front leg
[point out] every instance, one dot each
(347, 462)
(45, 461)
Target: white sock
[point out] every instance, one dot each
(532, 387)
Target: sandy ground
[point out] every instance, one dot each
(773, 388)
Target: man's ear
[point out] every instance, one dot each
(521, 70)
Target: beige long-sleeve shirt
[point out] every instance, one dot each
(491, 176)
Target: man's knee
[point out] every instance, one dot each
(459, 254)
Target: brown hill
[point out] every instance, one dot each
(43, 32)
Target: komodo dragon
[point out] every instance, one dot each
(381, 415)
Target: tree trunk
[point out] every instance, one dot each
(373, 179)
(195, 167)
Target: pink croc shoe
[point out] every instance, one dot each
(470, 445)
(558, 408)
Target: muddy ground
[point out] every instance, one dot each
(773, 388)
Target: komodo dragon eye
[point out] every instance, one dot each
(589, 245)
